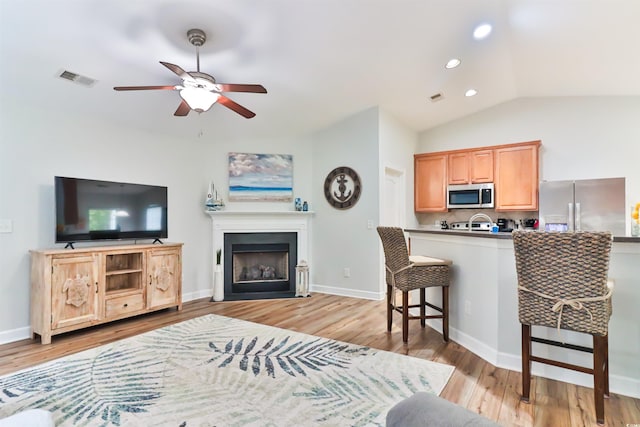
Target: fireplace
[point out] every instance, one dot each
(259, 265)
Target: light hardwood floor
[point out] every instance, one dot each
(475, 384)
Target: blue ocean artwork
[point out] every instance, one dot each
(260, 177)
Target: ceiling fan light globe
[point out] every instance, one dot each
(199, 99)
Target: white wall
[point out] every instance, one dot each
(582, 137)
(397, 146)
(216, 153)
(341, 238)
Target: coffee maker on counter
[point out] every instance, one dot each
(505, 225)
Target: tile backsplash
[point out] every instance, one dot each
(460, 215)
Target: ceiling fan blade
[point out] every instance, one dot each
(226, 87)
(232, 105)
(144, 88)
(179, 71)
(183, 109)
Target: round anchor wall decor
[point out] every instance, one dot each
(342, 187)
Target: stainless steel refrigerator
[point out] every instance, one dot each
(583, 205)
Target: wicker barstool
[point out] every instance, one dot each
(563, 284)
(407, 273)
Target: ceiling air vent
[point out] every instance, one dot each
(436, 97)
(77, 78)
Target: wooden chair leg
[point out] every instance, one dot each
(526, 362)
(445, 313)
(405, 316)
(606, 366)
(599, 355)
(389, 307)
(423, 299)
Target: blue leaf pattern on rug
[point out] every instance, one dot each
(313, 355)
(84, 389)
(217, 371)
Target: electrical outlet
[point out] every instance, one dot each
(346, 272)
(467, 307)
(370, 224)
(6, 226)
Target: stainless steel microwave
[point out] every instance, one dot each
(470, 196)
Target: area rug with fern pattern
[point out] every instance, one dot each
(219, 371)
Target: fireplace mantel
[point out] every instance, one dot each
(262, 222)
(222, 214)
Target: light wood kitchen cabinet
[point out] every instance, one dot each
(470, 167)
(516, 177)
(430, 182)
(76, 288)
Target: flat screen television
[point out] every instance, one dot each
(88, 209)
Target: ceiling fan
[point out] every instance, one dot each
(199, 91)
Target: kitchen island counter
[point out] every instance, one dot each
(483, 304)
(499, 235)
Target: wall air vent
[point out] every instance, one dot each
(77, 78)
(436, 97)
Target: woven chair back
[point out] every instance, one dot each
(396, 254)
(563, 266)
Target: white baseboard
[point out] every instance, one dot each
(331, 290)
(617, 384)
(354, 293)
(197, 295)
(13, 335)
(475, 346)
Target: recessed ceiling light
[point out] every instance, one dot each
(471, 92)
(482, 31)
(453, 63)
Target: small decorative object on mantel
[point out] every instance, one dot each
(218, 280)
(298, 204)
(208, 203)
(213, 202)
(342, 187)
(302, 279)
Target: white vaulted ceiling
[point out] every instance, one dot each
(320, 60)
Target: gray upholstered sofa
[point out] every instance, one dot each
(428, 410)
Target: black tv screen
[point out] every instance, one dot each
(88, 209)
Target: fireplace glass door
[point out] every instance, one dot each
(256, 268)
(259, 265)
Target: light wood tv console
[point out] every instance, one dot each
(76, 288)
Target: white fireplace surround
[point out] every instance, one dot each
(262, 222)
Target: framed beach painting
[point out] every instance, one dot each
(260, 177)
